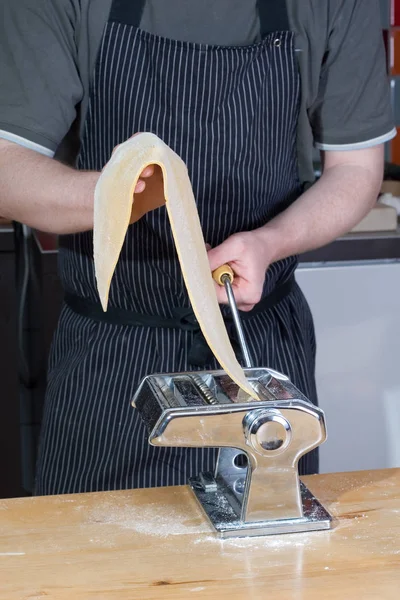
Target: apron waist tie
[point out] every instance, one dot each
(182, 318)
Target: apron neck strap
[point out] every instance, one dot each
(273, 16)
(129, 12)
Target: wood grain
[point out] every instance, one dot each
(149, 544)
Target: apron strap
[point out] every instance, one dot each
(128, 12)
(273, 16)
(182, 318)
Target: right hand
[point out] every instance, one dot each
(141, 184)
(145, 174)
(148, 192)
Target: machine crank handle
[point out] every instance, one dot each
(224, 276)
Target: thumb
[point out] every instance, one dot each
(220, 255)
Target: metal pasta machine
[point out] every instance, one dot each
(255, 489)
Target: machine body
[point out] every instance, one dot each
(255, 489)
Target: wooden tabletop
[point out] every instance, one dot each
(148, 544)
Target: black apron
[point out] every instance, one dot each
(231, 114)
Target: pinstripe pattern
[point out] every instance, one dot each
(231, 114)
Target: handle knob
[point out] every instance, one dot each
(267, 431)
(222, 272)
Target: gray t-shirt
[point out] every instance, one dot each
(48, 50)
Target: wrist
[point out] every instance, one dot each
(270, 242)
(76, 202)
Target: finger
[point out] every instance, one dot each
(140, 187)
(245, 307)
(221, 294)
(208, 247)
(219, 255)
(238, 292)
(227, 252)
(241, 304)
(148, 171)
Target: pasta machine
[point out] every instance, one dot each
(255, 489)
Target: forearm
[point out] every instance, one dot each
(43, 193)
(332, 207)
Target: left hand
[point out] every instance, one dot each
(247, 254)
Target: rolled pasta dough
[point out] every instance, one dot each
(113, 212)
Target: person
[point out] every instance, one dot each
(241, 91)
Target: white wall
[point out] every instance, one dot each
(357, 317)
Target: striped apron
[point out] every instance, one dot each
(231, 114)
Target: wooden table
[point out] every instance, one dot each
(156, 544)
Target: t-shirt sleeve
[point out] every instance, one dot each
(40, 86)
(353, 108)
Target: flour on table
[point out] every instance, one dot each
(152, 519)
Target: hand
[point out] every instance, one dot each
(145, 174)
(247, 254)
(148, 193)
(141, 184)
